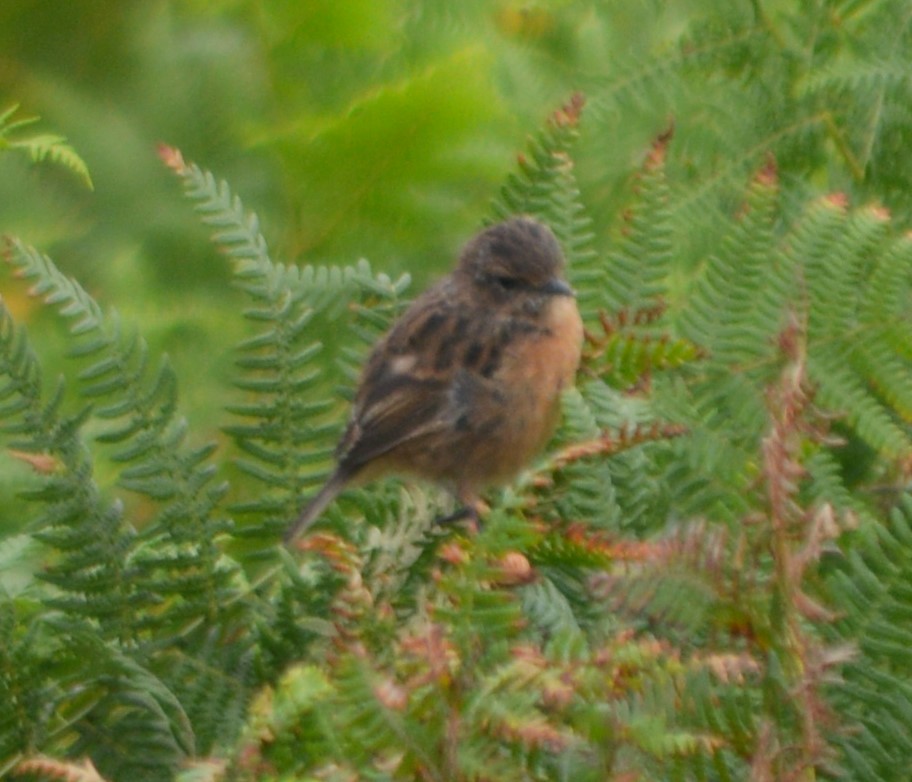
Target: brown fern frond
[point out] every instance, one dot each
(51, 768)
(611, 443)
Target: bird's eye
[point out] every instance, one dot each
(507, 283)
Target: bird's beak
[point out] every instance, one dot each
(557, 287)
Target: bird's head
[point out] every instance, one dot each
(518, 258)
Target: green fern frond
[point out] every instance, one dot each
(871, 586)
(214, 673)
(825, 269)
(25, 684)
(588, 493)
(50, 146)
(362, 723)
(378, 300)
(547, 606)
(626, 355)
(288, 424)
(567, 561)
(20, 371)
(888, 374)
(734, 312)
(625, 490)
(882, 309)
(853, 334)
(42, 146)
(129, 589)
(834, 283)
(882, 353)
(402, 550)
(545, 187)
(469, 607)
(638, 268)
(277, 362)
(281, 726)
(738, 301)
(843, 389)
(94, 573)
(7, 126)
(148, 438)
(827, 484)
(678, 582)
(131, 724)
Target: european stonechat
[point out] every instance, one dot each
(465, 387)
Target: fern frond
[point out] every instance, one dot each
(42, 146)
(366, 719)
(50, 768)
(94, 573)
(825, 268)
(25, 684)
(214, 673)
(402, 552)
(871, 586)
(637, 270)
(288, 424)
(50, 146)
(129, 588)
(281, 725)
(834, 282)
(148, 437)
(277, 360)
(131, 723)
(882, 352)
(679, 582)
(550, 610)
(886, 283)
(625, 355)
(378, 300)
(853, 333)
(737, 303)
(826, 484)
(843, 389)
(545, 187)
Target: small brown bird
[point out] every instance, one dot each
(464, 389)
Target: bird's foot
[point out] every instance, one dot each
(461, 514)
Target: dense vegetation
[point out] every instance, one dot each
(706, 574)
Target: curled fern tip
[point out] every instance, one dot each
(171, 157)
(769, 174)
(838, 200)
(879, 212)
(660, 146)
(569, 114)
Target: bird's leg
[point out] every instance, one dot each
(464, 512)
(472, 507)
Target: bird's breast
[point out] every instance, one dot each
(543, 362)
(535, 370)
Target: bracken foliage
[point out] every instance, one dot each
(695, 581)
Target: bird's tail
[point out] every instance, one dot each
(316, 505)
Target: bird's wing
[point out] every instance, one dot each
(410, 409)
(416, 383)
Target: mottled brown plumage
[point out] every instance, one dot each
(464, 389)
